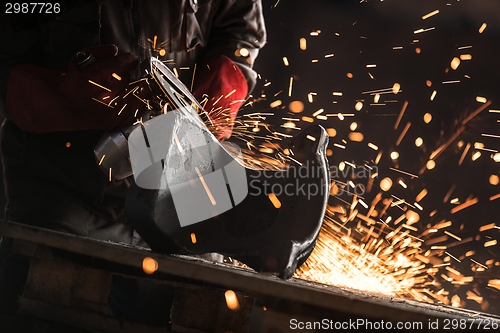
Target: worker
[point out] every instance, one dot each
(53, 101)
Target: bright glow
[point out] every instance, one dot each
(430, 164)
(296, 106)
(386, 184)
(419, 141)
(358, 106)
(396, 87)
(356, 136)
(331, 132)
(455, 63)
(149, 265)
(232, 300)
(303, 44)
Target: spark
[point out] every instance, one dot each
(403, 109)
(491, 136)
(421, 195)
(312, 138)
(418, 31)
(193, 76)
(492, 242)
(466, 204)
(434, 93)
(303, 44)
(455, 63)
(318, 112)
(149, 265)
(100, 86)
(386, 184)
(339, 259)
(404, 172)
(452, 235)
(478, 263)
(403, 133)
(123, 108)
(205, 186)
(372, 92)
(331, 132)
(109, 106)
(445, 145)
(482, 28)
(487, 227)
(231, 300)
(426, 16)
(358, 106)
(396, 88)
(452, 256)
(290, 87)
(464, 154)
(476, 112)
(481, 99)
(275, 104)
(476, 155)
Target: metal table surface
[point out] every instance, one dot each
(196, 271)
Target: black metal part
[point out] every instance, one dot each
(85, 59)
(257, 232)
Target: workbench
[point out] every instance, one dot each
(70, 277)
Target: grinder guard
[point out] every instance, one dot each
(252, 230)
(243, 224)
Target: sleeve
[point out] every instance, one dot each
(20, 39)
(237, 25)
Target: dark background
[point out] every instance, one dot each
(365, 33)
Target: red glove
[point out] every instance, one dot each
(41, 100)
(226, 87)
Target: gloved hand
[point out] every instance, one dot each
(42, 100)
(226, 87)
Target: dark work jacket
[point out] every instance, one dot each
(187, 31)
